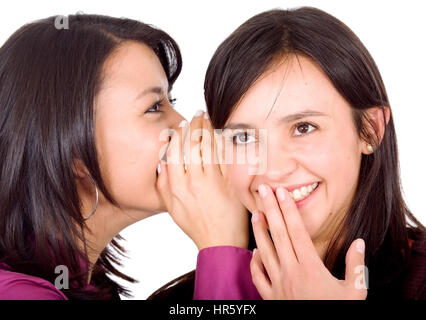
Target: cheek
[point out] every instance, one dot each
(335, 161)
(129, 155)
(343, 168)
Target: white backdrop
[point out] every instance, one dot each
(393, 32)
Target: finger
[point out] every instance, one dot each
(299, 236)
(163, 184)
(265, 246)
(356, 275)
(222, 145)
(192, 146)
(175, 165)
(259, 278)
(208, 150)
(277, 226)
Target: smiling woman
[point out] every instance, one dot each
(308, 80)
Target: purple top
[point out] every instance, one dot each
(222, 272)
(19, 286)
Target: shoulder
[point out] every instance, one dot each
(415, 280)
(19, 286)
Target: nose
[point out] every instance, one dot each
(175, 119)
(280, 163)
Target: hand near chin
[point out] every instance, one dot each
(288, 266)
(196, 194)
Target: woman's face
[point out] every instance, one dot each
(311, 139)
(132, 110)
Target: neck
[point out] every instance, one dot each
(103, 226)
(332, 225)
(321, 247)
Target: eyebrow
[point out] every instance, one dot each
(286, 119)
(157, 90)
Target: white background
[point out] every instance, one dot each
(393, 32)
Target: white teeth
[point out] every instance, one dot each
(296, 194)
(303, 192)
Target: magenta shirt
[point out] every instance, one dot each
(222, 272)
(19, 286)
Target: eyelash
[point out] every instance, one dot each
(159, 104)
(297, 125)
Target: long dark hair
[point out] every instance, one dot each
(49, 79)
(378, 213)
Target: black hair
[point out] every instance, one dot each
(49, 80)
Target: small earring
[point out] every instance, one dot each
(96, 200)
(370, 148)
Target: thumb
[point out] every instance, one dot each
(356, 276)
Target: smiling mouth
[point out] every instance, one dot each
(303, 192)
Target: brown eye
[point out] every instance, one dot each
(303, 128)
(155, 108)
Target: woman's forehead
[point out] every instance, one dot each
(298, 84)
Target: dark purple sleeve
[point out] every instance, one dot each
(223, 273)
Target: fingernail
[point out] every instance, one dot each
(360, 246)
(255, 216)
(206, 115)
(183, 123)
(198, 113)
(281, 193)
(159, 168)
(262, 191)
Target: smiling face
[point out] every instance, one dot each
(132, 109)
(311, 142)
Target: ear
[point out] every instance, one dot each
(79, 169)
(379, 118)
